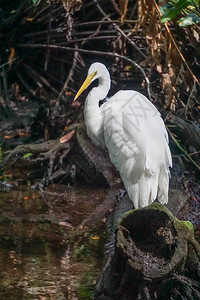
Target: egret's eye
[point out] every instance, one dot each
(94, 74)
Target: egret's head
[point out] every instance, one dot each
(96, 71)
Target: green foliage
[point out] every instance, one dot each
(81, 252)
(85, 292)
(186, 11)
(188, 20)
(27, 155)
(85, 284)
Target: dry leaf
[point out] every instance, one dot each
(167, 89)
(123, 4)
(76, 103)
(95, 237)
(70, 5)
(67, 137)
(189, 80)
(11, 57)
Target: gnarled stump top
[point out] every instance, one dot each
(149, 241)
(155, 257)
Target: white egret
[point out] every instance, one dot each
(129, 126)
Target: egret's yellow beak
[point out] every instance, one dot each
(85, 84)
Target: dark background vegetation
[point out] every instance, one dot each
(47, 47)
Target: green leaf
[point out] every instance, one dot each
(188, 20)
(35, 1)
(165, 8)
(175, 10)
(196, 3)
(27, 155)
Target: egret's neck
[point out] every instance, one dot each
(93, 113)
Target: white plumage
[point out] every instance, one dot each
(129, 126)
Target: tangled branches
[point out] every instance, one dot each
(53, 42)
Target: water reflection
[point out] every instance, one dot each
(40, 257)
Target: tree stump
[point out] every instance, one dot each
(156, 257)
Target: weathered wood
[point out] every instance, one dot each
(99, 161)
(187, 130)
(98, 157)
(155, 257)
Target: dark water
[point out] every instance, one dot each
(41, 255)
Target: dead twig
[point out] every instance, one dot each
(38, 76)
(50, 156)
(69, 77)
(7, 63)
(20, 150)
(43, 10)
(104, 22)
(183, 150)
(100, 53)
(92, 38)
(5, 85)
(94, 34)
(48, 40)
(32, 92)
(116, 27)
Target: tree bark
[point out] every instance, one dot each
(155, 257)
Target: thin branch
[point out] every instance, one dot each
(56, 34)
(5, 85)
(103, 22)
(70, 75)
(7, 63)
(121, 31)
(48, 40)
(100, 53)
(41, 11)
(183, 150)
(46, 16)
(32, 92)
(116, 7)
(94, 34)
(42, 79)
(106, 37)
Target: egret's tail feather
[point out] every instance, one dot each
(163, 186)
(144, 192)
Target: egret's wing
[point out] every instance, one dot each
(136, 139)
(123, 138)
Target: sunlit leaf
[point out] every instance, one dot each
(67, 137)
(29, 19)
(22, 133)
(188, 20)
(175, 10)
(95, 237)
(165, 8)
(27, 155)
(7, 136)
